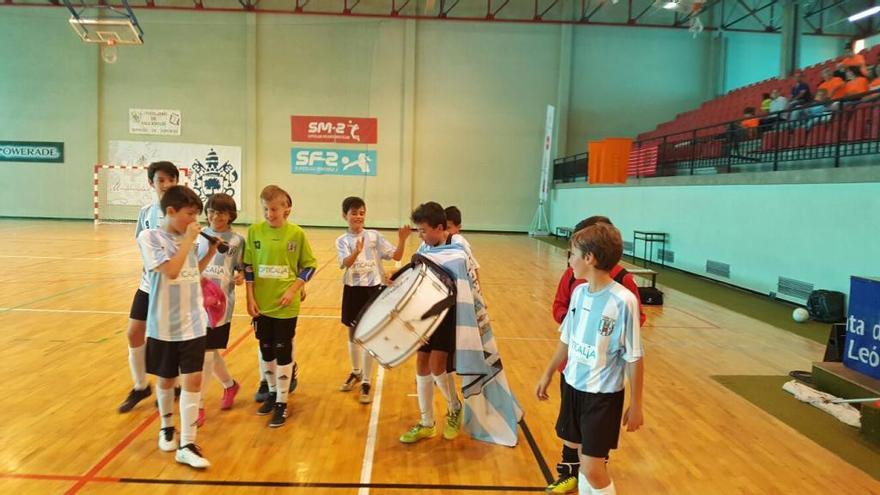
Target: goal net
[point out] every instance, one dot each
(120, 191)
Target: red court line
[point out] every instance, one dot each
(115, 451)
(56, 477)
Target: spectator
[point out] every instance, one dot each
(800, 92)
(833, 85)
(854, 60)
(856, 83)
(765, 103)
(819, 112)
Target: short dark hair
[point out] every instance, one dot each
(749, 110)
(273, 192)
(453, 214)
(167, 167)
(602, 241)
(352, 203)
(223, 202)
(179, 197)
(593, 220)
(430, 213)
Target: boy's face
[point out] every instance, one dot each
(161, 183)
(452, 228)
(276, 211)
(355, 218)
(178, 220)
(219, 220)
(580, 263)
(432, 236)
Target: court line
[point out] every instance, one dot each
(46, 298)
(115, 451)
(102, 312)
(370, 447)
(542, 464)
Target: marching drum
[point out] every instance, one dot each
(404, 316)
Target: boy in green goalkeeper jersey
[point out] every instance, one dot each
(278, 263)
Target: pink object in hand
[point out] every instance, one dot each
(215, 301)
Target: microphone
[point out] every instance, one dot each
(222, 247)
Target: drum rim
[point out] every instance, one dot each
(420, 274)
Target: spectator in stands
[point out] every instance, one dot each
(778, 104)
(741, 130)
(800, 92)
(856, 83)
(874, 85)
(832, 84)
(765, 103)
(854, 60)
(820, 111)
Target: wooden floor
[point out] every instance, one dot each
(65, 292)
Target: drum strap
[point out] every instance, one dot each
(441, 306)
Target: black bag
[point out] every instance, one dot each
(826, 306)
(651, 296)
(834, 348)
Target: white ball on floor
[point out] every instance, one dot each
(800, 315)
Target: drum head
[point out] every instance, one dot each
(385, 302)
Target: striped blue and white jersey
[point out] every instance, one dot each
(221, 269)
(602, 332)
(367, 269)
(150, 217)
(176, 311)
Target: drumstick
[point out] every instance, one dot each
(876, 400)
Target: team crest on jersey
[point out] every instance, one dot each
(291, 246)
(256, 244)
(607, 326)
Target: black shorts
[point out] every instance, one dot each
(354, 300)
(139, 306)
(274, 329)
(443, 338)
(218, 337)
(590, 419)
(170, 359)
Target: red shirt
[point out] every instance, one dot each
(567, 284)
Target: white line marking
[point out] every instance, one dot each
(99, 312)
(370, 448)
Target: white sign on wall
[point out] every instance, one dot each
(213, 168)
(128, 187)
(154, 122)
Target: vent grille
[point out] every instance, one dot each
(718, 268)
(666, 255)
(794, 288)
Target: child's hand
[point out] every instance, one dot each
(404, 232)
(359, 246)
(192, 231)
(287, 297)
(541, 388)
(302, 294)
(252, 308)
(239, 278)
(632, 418)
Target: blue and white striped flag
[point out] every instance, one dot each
(491, 412)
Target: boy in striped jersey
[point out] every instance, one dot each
(161, 176)
(176, 318)
(360, 253)
(227, 271)
(601, 340)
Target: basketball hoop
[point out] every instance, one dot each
(106, 25)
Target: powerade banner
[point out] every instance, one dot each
(862, 346)
(325, 129)
(31, 151)
(333, 161)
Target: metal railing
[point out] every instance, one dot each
(824, 133)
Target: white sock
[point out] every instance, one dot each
(584, 487)
(269, 374)
(137, 363)
(189, 414)
(425, 389)
(282, 380)
(356, 353)
(221, 372)
(206, 376)
(446, 382)
(262, 364)
(165, 396)
(369, 364)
